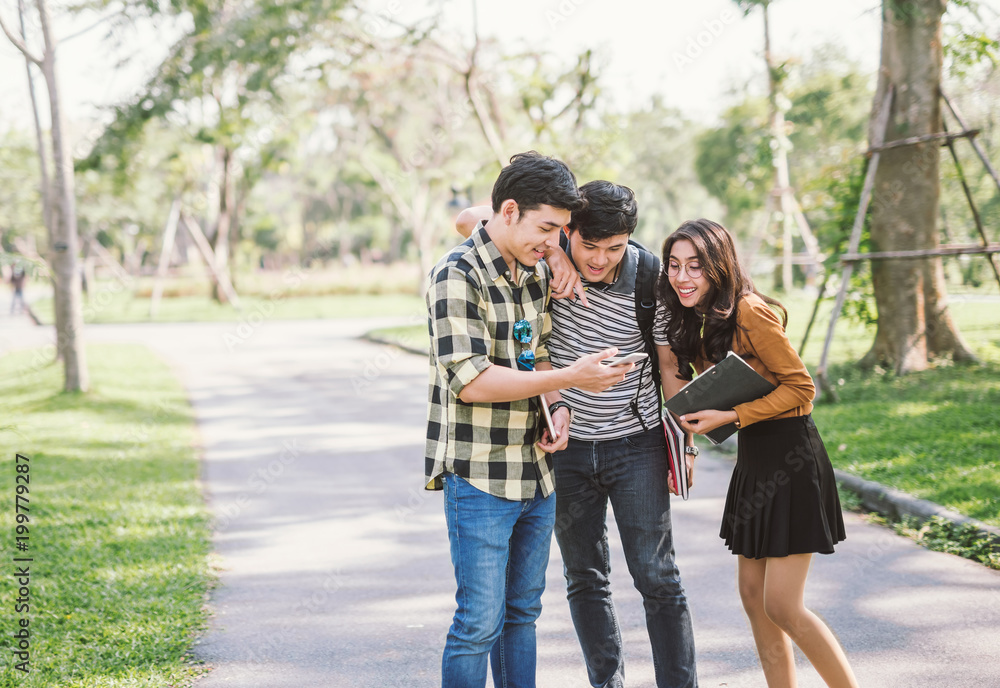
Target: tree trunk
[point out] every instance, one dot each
(43, 167)
(69, 318)
(776, 123)
(43, 162)
(914, 324)
(227, 207)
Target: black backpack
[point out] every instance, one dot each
(645, 310)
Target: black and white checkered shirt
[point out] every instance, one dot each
(472, 305)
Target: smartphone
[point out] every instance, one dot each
(553, 435)
(625, 359)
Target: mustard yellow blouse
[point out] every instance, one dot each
(761, 341)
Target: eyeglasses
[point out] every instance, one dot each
(522, 333)
(693, 271)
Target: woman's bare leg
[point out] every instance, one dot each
(783, 591)
(774, 649)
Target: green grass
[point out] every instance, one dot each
(290, 294)
(978, 320)
(943, 535)
(118, 531)
(413, 337)
(934, 434)
(121, 307)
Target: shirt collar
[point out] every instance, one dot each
(496, 266)
(625, 282)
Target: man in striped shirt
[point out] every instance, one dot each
(489, 324)
(616, 452)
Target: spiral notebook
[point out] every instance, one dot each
(728, 383)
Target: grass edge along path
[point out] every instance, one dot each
(118, 531)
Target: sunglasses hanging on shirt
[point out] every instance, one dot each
(523, 334)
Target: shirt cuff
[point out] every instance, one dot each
(743, 417)
(466, 371)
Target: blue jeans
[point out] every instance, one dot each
(499, 549)
(632, 473)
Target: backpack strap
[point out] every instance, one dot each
(645, 311)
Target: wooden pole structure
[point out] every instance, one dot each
(859, 220)
(169, 234)
(945, 138)
(201, 241)
(944, 250)
(972, 203)
(975, 144)
(812, 318)
(852, 256)
(109, 262)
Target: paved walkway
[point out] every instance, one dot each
(334, 568)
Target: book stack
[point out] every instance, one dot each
(677, 465)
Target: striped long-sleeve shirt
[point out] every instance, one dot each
(609, 321)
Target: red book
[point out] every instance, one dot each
(676, 463)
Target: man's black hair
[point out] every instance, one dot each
(533, 180)
(611, 211)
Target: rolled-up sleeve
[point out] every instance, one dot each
(542, 350)
(460, 338)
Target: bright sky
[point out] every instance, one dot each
(692, 52)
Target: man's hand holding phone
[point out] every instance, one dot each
(591, 374)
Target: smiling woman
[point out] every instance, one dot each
(782, 506)
(685, 274)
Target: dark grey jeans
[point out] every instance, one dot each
(632, 473)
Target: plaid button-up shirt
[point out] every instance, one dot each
(472, 305)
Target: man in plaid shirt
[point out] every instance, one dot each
(488, 320)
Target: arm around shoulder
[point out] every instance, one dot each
(468, 219)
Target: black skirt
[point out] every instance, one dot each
(783, 496)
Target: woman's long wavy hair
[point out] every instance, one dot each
(728, 283)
